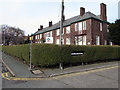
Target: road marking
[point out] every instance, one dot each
(85, 72)
(6, 76)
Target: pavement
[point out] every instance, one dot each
(21, 70)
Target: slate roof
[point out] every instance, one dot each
(69, 22)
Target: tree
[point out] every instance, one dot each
(11, 35)
(114, 32)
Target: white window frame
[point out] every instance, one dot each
(84, 25)
(76, 26)
(40, 36)
(105, 42)
(50, 33)
(67, 41)
(80, 40)
(58, 32)
(62, 41)
(35, 36)
(97, 40)
(44, 35)
(68, 30)
(101, 26)
(84, 40)
(57, 41)
(63, 31)
(80, 26)
(76, 40)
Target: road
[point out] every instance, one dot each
(100, 78)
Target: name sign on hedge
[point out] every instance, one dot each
(49, 40)
(77, 53)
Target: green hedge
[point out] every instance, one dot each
(47, 54)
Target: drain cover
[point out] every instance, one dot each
(37, 72)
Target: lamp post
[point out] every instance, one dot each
(30, 67)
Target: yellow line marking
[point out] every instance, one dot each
(6, 76)
(85, 72)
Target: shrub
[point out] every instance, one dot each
(48, 54)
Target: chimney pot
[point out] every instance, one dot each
(50, 23)
(82, 11)
(41, 27)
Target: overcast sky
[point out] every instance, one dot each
(28, 15)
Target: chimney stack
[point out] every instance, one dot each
(41, 27)
(50, 23)
(82, 11)
(103, 15)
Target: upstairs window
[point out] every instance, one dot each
(63, 31)
(68, 30)
(84, 25)
(58, 32)
(40, 36)
(76, 26)
(80, 26)
(50, 33)
(36, 37)
(100, 26)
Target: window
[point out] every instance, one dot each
(50, 33)
(68, 41)
(44, 35)
(68, 30)
(36, 37)
(80, 40)
(39, 41)
(58, 32)
(84, 25)
(105, 42)
(100, 26)
(80, 26)
(76, 27)
(58, 41)
(40, 36)
(63, 32)
(97, 40)
(107, 28)
(76, 41)
(84, 40)
(111, 43)
(62, 41)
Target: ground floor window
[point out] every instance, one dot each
(80, 40)
(68, 41)
(58, 41)
(97, 40)
(105, 42)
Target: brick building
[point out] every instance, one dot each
(84, 29)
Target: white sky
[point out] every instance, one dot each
(30, 14)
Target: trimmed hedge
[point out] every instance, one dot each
(47, 54)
